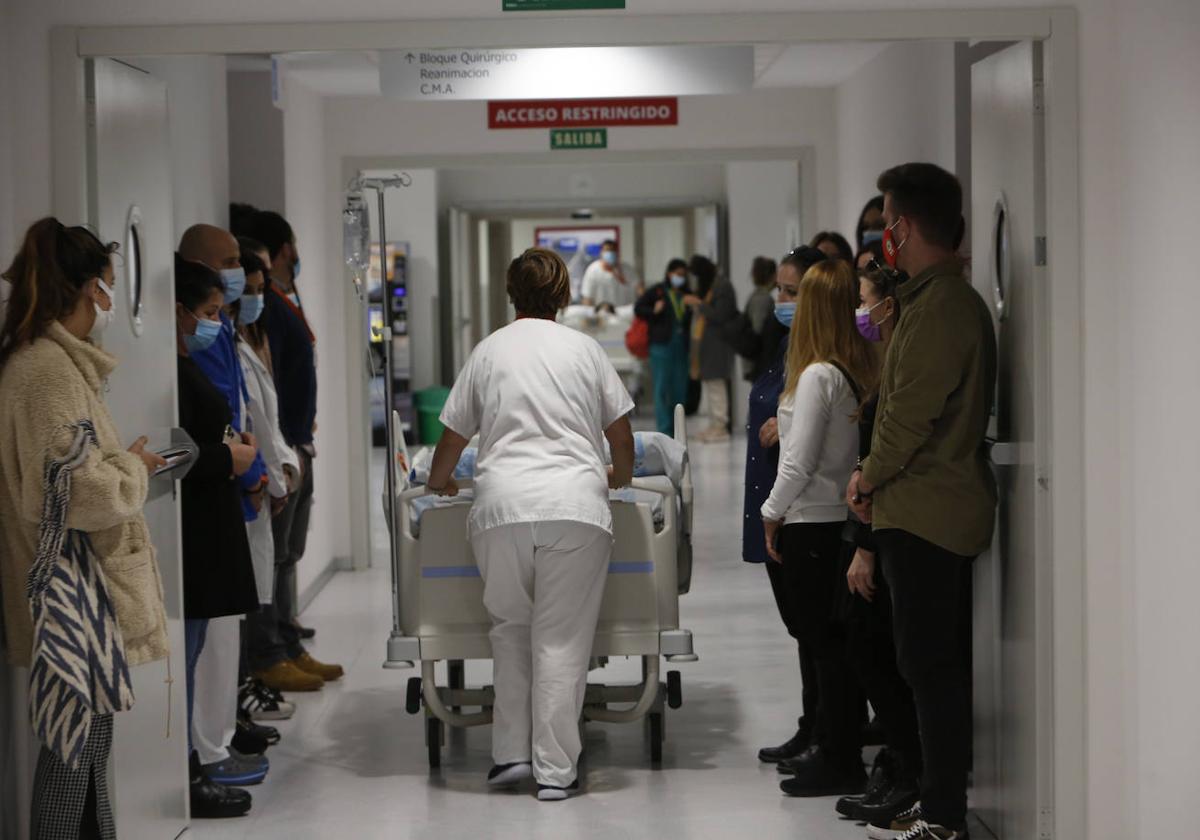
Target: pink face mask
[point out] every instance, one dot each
(866, 328)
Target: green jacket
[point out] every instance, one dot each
(928, 462)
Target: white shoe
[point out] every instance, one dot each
(549, 793)
(507, 775)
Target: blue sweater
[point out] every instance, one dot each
(223, 367)
(293, 359)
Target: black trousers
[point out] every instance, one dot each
(808, 667)
(814, 580)
(871, 645)
(271, 634)
(931, 602)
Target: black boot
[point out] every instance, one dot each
(892, 799)
(818, 773)
(880, 781)
(791, 748)
(211, 801)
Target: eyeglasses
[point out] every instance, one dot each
(804, 253)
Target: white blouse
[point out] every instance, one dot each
(818, 438)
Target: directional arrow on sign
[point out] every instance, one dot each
(410, 58)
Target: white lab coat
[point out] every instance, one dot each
(264, 415)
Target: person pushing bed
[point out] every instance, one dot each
(542, 398)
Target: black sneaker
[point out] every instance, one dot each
(261, 702)
(790, 748)
(550, 793)
(880, 781)
(508, 775)
(922, 830)
(212, 801)
(251, 738)
(822, 775)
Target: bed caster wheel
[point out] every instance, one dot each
(657, 736)
(674, 689)
(433, 741)
(412, 700)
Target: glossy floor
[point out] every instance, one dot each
(353, 764)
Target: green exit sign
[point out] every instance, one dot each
(579, 138)
(560, 5)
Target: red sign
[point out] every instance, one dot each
(583, 113)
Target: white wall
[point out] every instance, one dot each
(588, 185)
(899, 107)
(321, 285)
(199, 137)
(255, 141)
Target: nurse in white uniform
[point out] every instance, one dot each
(542, 398)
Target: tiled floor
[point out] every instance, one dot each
(353, 763)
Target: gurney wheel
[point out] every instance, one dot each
(655, 720)
(674, 689)
(433, 740)
(412, 701)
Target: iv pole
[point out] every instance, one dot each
(357, 185)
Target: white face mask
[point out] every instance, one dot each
(104, 317)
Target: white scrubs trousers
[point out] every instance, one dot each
(543, 584)
(214, 708)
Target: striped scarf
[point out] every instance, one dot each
(79, 667)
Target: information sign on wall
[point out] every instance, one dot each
(579, 138)
(583, 113)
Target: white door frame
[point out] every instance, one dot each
(1056, 28)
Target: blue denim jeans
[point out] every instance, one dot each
(195, 630)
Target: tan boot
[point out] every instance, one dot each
(328, 673)
(285, 676)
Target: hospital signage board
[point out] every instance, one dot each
(583, 113)
(560, 5)
(579, 138)
(565, 72)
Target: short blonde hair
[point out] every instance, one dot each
(538, 283)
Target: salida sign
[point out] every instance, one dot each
(583, 113)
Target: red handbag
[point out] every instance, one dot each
(637, 339)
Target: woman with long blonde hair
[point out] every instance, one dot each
(829, 367)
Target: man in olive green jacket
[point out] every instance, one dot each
(926, 487)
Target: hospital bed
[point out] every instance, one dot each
(439, 614)
(609, 330)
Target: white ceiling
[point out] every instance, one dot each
(776, 66)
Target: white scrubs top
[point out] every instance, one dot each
(600, 285)
(540, 395)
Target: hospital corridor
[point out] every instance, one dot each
(598, 419)
(353, 749)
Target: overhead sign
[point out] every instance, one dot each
(566, 72)
(583, 113)
(579, 138)
(560, 5)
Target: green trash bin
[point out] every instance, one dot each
(429, 403)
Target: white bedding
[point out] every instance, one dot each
(466, 497)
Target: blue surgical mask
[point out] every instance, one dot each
(206, 333)
(678, 280)
(870, 236)
(235, 283)
(296, 268)
(252, 307)
(785, 312)
(609, 257)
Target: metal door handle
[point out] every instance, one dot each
(1004, 454)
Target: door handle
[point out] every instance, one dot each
(1004, 453)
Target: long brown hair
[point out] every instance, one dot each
(47, 276)
(824, 329)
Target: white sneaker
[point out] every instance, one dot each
(507, 775)
(900, 826)
(550, 793)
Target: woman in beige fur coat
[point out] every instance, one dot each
(52, 377)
